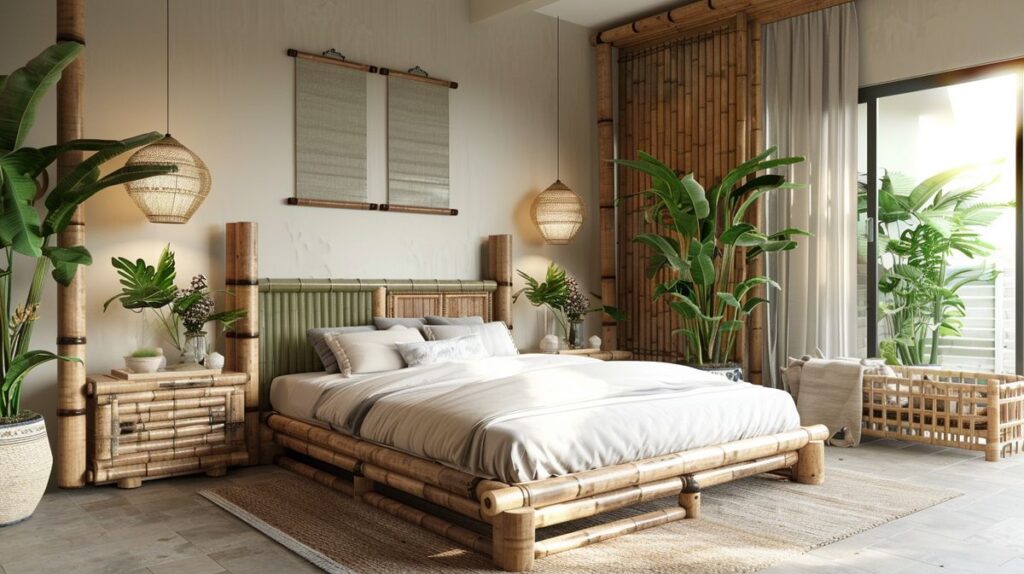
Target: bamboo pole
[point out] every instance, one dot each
(606, 191)
(71, 398)
(325, 478)
(595, 534)
(810, 464)
(499, 269)
(564, 488)
(379, 303)
(243, 262)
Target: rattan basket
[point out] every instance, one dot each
(962, 409)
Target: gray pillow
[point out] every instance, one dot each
(317, 338)
(384, 323)
(431, 320)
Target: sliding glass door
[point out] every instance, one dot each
(940, 212)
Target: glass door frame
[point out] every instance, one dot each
(869, 95)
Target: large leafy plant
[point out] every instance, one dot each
(699, 236)
(920, 228)
(28, 229)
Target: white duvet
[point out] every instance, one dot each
(530, 417)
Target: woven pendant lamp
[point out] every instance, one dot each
(172, 197)
(558, 212)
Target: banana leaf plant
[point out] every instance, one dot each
(700, 234)
(32, 213)
(920, 228)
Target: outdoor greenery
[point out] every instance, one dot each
(25, 192)
(920, 228)
(700, 234)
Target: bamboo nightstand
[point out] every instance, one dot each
(613, 355)
(145, 426)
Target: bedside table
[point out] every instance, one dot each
(154, 425)
(612, 355)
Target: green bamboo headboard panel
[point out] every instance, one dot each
(288, 307)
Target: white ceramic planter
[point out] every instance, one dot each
(143, 364)
(25, 463)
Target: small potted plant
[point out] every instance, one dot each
(194, 308)
(561, 294)
(145, 360)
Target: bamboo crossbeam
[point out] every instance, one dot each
(168, 443)
(434, 524)
(170, 395)
(169, 418)
(464, 506)
(419, 78)
(143, 457)
(102, 385)
(318, 452)
(417, 209)
(308, 202)
(582, 484)
(169, 467)
(333, 61)
(219, 400)
(595, 534)
(608, 501)
(325, 478)
(171, 433)
(432, 473)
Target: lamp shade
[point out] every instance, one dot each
(172, 197)
(558, 213)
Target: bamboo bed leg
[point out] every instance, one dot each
(361, 485)
(810, 463)
(514, 538)
(690, 501)
(131, 482)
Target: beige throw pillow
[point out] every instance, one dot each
(372, 351)
(495, 335)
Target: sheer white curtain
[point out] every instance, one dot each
(810, 90)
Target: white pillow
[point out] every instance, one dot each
(430, 352)
(371, 351)
(495, 336)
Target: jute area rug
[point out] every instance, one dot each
(746, 526)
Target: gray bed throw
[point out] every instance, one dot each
(829, 392)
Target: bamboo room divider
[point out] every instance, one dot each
(689, 93)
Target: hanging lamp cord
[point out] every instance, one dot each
(558, 99)
(167, 66)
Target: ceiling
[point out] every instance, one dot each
(600, 14)
(593, 14)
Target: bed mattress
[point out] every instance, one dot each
(530, 417)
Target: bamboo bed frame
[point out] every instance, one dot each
(512, 513)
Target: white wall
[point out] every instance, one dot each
(232, 103)
(906, 38)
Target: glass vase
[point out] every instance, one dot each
(195, 349)
(576, 335)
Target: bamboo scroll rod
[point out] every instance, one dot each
(334, 61)
(417, 209)
(695, 15)
(419, 78)
(304, 202)
(71, 401)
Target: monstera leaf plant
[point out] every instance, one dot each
(33, 213)
(699, 236)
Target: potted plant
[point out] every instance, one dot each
(145, 286)
(920, 228)
(699, 236)
(145, 360)
(561, 294)
(24, 449)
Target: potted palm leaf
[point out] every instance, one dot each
(699, 235)
(920, 228)
(24, 233)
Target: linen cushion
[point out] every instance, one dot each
(495, 336)
(317, 338)
(432, 320)
(371, 351)
(410, 322)
(431, 352)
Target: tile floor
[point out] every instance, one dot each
(164, 527)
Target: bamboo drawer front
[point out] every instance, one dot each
(165, 425)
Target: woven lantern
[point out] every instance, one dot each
(558, 213)
(172, 197)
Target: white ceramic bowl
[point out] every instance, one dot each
(143, 364)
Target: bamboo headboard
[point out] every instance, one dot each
(271, 340)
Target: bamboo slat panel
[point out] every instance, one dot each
(687, 102)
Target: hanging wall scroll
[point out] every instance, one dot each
(330, 131)
(418, 143)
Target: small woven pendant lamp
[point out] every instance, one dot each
(172, 197)
(558, 212)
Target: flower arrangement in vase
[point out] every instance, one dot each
(151, 287)
(561, 294)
